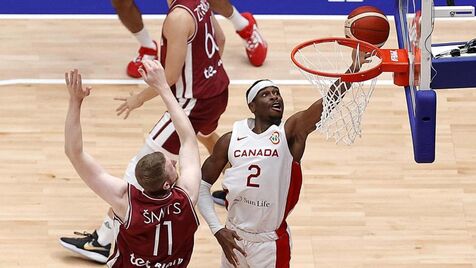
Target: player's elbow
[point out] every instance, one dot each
(67, 151)
(172, 78)
(71, 153)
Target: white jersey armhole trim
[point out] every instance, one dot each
(126, 221)
(190, 202)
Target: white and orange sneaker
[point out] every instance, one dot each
(145, 53)
(256, 46)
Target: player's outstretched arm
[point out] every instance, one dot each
(154, 76)
(113, 190)
(178, 27)
(302, 123)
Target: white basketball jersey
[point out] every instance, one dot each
(263, 182)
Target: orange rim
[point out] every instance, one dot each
(346, 77)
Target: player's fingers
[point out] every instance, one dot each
(142, 72)
(127, 114)
(66, 78)
(231, 258)
(80, 82)
(121, 107)
(236, 236)
(235, 259)
(121, 110)
(239, 249)
(147, 65)
(153, 65)
(74, 77)
(71, 77)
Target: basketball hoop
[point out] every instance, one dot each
(345, 72)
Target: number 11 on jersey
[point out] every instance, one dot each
(157, 237)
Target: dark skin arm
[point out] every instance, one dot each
(211, 170)
(302, 123)
(214, 164)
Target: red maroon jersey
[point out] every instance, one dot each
(157, 232)
(203, 75)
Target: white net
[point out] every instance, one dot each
(343, 103)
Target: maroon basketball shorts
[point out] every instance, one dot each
(203, 114)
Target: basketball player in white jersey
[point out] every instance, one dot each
(264, 180)
(244, 24)
(195, 73)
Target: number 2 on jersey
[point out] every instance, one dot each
(157, 237)
(256, 172)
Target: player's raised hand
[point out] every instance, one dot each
(75, 86)
(128, 104)
(154, 75)
(226, 238)
(359, 58)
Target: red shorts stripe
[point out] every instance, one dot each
(283, 251)
(168, 122)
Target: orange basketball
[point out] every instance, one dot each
(367, 23)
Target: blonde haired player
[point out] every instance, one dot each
(158, 222)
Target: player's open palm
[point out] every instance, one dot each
(75, 85)
(128, 104)
(226, 238)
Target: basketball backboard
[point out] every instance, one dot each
(414, 20)
(414, 24)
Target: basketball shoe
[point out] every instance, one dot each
(256, 46)
(144, 53)
(219, 197)
(87, 246)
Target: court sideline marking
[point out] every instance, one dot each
(281, 82)
(137, 82)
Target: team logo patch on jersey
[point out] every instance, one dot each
(274, 137)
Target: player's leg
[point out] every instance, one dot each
(131, 17)
(205, 115)
(271, 254)
(208, 140)
(95, 246)
(246, 27)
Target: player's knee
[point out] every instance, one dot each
(122, 4)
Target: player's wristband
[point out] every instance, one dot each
(207, 209)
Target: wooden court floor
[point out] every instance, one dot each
(365, 205)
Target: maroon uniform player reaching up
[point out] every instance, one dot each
(157, 224)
